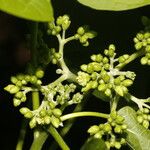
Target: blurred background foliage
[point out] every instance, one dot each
(112, 27)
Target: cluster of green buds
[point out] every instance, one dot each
(83, 34)
(20, 88)
(63, 94)
(142, 42)
(62, 23)
(46, 114)
(143, 117)
(111, 132)
(102, 74)
(55, 56)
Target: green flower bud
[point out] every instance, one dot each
(57, 112)
(107, 66)
(117, 129)
(12, 89)
(98, 135)
(102, 87)
(145, 124)
(76, 36)
(84, 67)
(54, 32)
(33, 79)
(147, 48)
(112, 47)
(93, 57)
(24, 110)
(107, 127)
(117, 81)
(29, 114)
(127, 82)
(58, 29)
(14, 79)
(96, 66)
(148, 117)
(138, 46)
(146, 110)
(124, 126)
(117, 145)
(39, 82)
(119, 119)
(99, 58)
(49, 112)
(125, 56)
(42, 113)
(108, 92)
(19, 83)
(106, 78)
(90, 68)
(94, 84)
(107, 144)
(27, 78)
(119, 90)
(24, 82)
(135, 40)
(86, 44)
(140, 119)
(52, 105)
(144, 60)
(148, 41)
(55, 122)
(23, 99)
(16, 102)
(32, 123)
(39, 73)
(81, 31)
(19, 95)
(47, 120)
(140, 36)
(146, 35)
(20, 76)
(144, 116)
(111, 52)
(59, 20)
(106, 52)
(121, 59)
(105, 60)
(93, 129)
(94, 76)
(122, 141)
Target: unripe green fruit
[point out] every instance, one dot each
(127, 82)
(24, 110)
(93, 130)
(138, 46)
(81, 31)
(47, 120)
(32, 123)
(144, 60)
(117, 145)
(107, 128)
(39, 73)
(16, 102)
(57, 112)
(117, 129)
(29, 114)
(140, 119)
(145, 124)
(55, 122)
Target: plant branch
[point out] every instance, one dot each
(84, 114)
(131, 58)
(58, 138)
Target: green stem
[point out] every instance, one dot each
(22, 134)
(115, 103)
(58, 138)
(131, 58)
(38, 142)
(84, 114)
(35, 100)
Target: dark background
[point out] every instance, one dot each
(112, 27)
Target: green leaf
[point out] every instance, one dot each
(36, 10)
(115, 5)
(138, 137)
(94, 144)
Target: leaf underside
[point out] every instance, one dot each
(114, 5)
(36, 10)
(138, 137)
